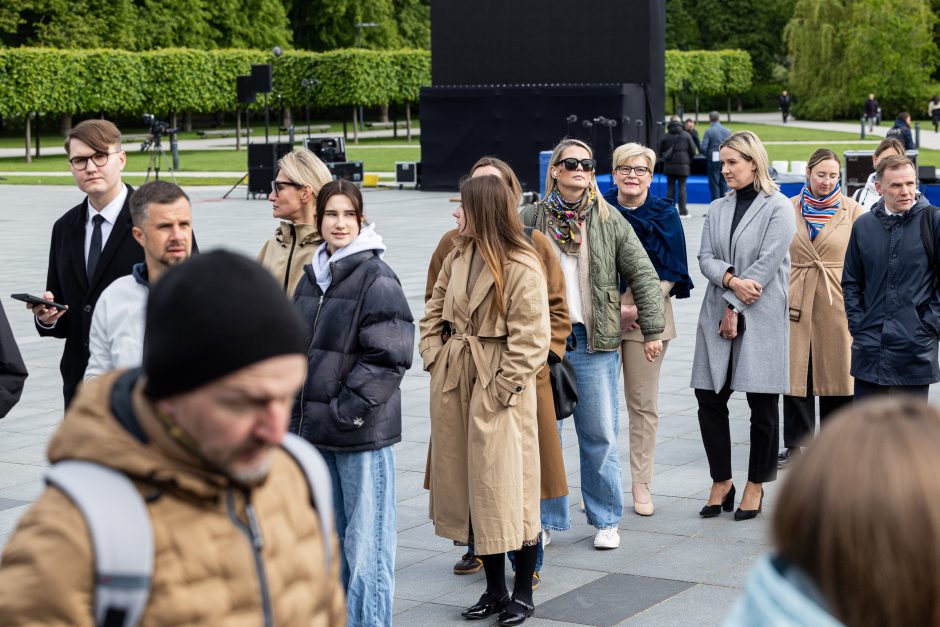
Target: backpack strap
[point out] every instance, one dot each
(927, 235)
(320, 484)
(121, 536)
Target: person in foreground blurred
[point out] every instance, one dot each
(484, 471)
(856, 527)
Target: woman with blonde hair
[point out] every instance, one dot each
(298, 180)
(742, 339)
(856, 527)
(820, 342)
(484, 471)
(598, 250)
(657, 225)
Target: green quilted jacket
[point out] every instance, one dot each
(616, 252)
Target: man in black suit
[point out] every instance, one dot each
(91, 245)
(12, 369)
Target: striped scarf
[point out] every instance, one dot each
(818, 211)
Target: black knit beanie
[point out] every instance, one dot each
(213, 315)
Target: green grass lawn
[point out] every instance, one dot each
(769, 132)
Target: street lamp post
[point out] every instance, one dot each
(359, 27)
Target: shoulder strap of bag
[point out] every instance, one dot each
(528, 232)
(927, 235)
(121, 536)
(319, 483)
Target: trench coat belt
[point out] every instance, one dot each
(475, 344)
(797, 302)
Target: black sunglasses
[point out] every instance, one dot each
(572, 164)
(278, 186)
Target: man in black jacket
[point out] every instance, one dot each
(891, 300)
(12, 369)
(91, 244)
(676, 150)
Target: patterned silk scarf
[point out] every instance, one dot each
(818, 211)
(563, 220)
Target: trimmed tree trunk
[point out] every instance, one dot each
(355, 125)
(408, 121)
(288, 118)
(188, 121)
(65, 124)
(29, 155)
(238, 129)
(383, 112)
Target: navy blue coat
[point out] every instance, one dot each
(361, 336)
(892, 309)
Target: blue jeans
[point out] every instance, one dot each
(597, 423)
(716, 182)
(364, 497)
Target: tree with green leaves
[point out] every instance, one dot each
(843, 49)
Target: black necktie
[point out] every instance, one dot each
(94, 251)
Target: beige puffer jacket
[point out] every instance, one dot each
(205, 570)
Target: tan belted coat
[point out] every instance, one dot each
(485, 460)
(817, 310)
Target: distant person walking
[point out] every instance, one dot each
(743, 334)
(784, 103)
(711, 141)
(820, 344)
(891, 299)
(902, 130)
(872, 111)
(689, 126)
(933, 110)
(676, 149)
(869, 195)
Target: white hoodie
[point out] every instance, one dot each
(367, 239)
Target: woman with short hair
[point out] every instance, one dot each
(820, 343)
(298, 178)
(492, 298)
(856, 529)
(658, 227)
(743, 332)
(597, 250)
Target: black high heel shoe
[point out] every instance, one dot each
(486, 606)
(747, 514)
(515, 613)
(727, 504)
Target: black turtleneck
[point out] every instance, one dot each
(744, 198)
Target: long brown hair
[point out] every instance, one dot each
(492, 222)
(505, 172)
(860, 514)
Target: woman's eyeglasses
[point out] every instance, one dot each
(571, 164)
(278, 186)
(640, 170)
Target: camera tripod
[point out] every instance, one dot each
(157, 155)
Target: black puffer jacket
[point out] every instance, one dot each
(892, 307)
(676, 150)
(361, 344)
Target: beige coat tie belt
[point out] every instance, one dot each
(796, 302)
(460, 342)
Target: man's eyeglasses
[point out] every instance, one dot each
(99, 159)
(278, 186)
(640, 170)
(571, 164)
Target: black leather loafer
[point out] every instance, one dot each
(515, 613)
(486, 606)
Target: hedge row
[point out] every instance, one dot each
(709, 72)
(176, 80)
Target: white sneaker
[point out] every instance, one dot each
(546, 537)
(607, 538)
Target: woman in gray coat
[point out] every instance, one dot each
(743, 329)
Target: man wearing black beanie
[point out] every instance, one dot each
(235, 503)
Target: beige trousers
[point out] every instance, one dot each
(641, 390)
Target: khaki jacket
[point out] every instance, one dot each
(288, 251)
(554, 479)
(817, 310)
(204, 565)
(485, 459)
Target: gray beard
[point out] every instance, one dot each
(253, 476)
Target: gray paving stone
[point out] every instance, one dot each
(8, 503)
(699, 606)
(611, 599)
(434, 578)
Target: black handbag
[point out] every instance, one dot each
(564, 382)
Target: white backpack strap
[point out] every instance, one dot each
(320, 484)
(119, 525)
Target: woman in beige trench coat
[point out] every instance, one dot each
(820, 344)
(484, 335)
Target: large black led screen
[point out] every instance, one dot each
(517, 42)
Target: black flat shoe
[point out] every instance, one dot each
(747, 514)
(727, 504)
(486, 606)
(515, 613)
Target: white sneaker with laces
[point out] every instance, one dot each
(546, 537)
(607, 538)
